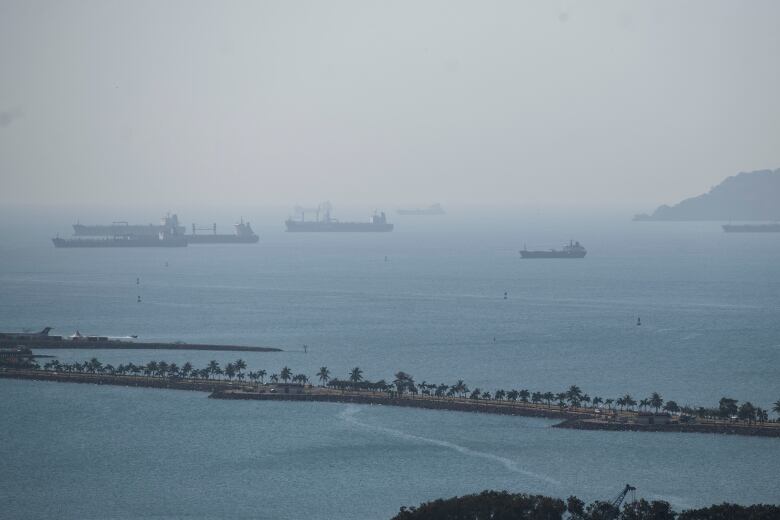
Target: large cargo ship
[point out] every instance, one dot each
(752, 228)
(327, 224)
(168, 224)
(243, 235)
(435, 209)
(168, 234)
(572, 250)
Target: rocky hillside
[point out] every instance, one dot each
(746, 196)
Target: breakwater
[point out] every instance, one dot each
(51, 343)
(429, 403)
(230, 390)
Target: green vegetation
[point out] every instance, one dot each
(574, 399)
(501, 505)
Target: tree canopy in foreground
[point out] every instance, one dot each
(501, 505)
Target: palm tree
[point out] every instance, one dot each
(173, 370)
(285, 374)
(274, 378)
(356, 375)
(573, 395)
(261, 374)
(656, 401)
(500, 394)
(324, 375)
(776, 406)
(186, 369)
(644, 403)
(239, 365)
(621, 402)
(609, 402)
(671, 407)
(512, 395)
(213, 368)
(536, 397)
(524, 394)
(548, 396)
(230, 371)
(597, 401)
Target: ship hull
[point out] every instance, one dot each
(552, 254)
(294, 226)
(222, 239)
(119, 242)
(751, 228)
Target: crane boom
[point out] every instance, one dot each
(618, 500)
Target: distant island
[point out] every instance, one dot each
(747, 196)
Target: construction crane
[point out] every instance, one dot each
(618, 500)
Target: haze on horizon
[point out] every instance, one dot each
(360, 101)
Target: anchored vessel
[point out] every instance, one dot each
(572, 250)
(243, 235)
(168, 224)
(752, 228)
(435, 209)
(168, 234)
(327, 224)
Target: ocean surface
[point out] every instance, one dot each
(427, 299)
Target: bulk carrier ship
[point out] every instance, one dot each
(328, 224)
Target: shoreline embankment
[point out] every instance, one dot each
(230, 390)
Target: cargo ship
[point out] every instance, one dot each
(120, 234)
(434, 209)
(572, 250)
(168, 224)
(752, 228)
(328, 224)
(243, 235)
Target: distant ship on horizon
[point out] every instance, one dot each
(773, 227)
(572, 250)
(328, 224)
(434, 209)
(169, 233)
(243, 235)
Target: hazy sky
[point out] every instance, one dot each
(394, 101)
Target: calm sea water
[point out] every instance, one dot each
(426, 299)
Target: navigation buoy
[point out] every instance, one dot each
(139, 298)
(638, 322)
(506, 295)
(138, 281)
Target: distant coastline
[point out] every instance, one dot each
(578, 419)
(51, 342)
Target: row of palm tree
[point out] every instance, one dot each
(404, 384)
